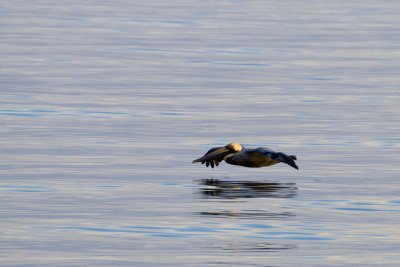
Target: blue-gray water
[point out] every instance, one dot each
(104, 104)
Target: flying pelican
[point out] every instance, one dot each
(236, 154)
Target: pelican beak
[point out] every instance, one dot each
(222, 152)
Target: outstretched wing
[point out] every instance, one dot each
(279, 156)
(258, 157)
(263, 152)
(213, 156)
(263, 156)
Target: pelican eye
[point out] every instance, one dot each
(230, 147)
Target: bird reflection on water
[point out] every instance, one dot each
(214, 188)
(224, 189)
(248, 214)
(250, 246)
(254, 219)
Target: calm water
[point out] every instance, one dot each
(105, 104)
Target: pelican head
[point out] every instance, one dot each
(234, 147)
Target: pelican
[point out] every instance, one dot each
(236, 154)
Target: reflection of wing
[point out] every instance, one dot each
(214, 188)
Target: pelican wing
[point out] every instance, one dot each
(276, 156)
(258, 157)
(213, 156)
(262, 152)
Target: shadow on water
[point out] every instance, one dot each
(214, 188)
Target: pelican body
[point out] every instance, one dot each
(236, 154)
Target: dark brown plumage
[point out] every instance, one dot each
(236, 154)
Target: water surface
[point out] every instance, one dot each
(104, 106)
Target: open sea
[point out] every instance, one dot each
(104, 104)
